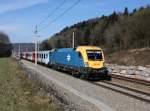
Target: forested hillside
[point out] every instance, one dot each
(23, 47)
(118, 31)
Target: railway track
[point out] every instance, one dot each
(139, 81)
(123, 89)
(131, 89)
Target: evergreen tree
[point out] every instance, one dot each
(134, 11)
(141, 8)
(126, 13)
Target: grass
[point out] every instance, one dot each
(17, 92)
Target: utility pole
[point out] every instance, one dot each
(36, 45)
(73, 40)
(19, 51)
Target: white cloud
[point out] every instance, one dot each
(17, 32)
(9, 28)
(11, 5)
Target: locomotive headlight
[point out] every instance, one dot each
(86, 64)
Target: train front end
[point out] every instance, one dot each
(94, 60)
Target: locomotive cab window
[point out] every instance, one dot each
(94, 55)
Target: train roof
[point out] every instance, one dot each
(89, 47)
(65, 50)
(69, 49)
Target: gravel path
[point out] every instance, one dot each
(86, 95)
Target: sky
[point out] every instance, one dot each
(18, 18)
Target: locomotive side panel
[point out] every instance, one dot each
(67, 57)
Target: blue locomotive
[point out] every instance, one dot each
(84, 61)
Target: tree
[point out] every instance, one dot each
(141, 8)
(113, 18)
(4, 38)
(87, 37)
(126, 13)
(5, 45)
(45, 45)
(134, 11)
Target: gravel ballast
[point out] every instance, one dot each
(83, 95)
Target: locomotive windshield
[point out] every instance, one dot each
(94, 55)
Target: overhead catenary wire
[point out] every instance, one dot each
(63, 13)
(52, 12)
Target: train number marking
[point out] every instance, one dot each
(68, 57)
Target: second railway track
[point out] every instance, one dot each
(135, 80)
(122, 89)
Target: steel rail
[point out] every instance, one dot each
(123, 92)
(139, 81)
(128, 88)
